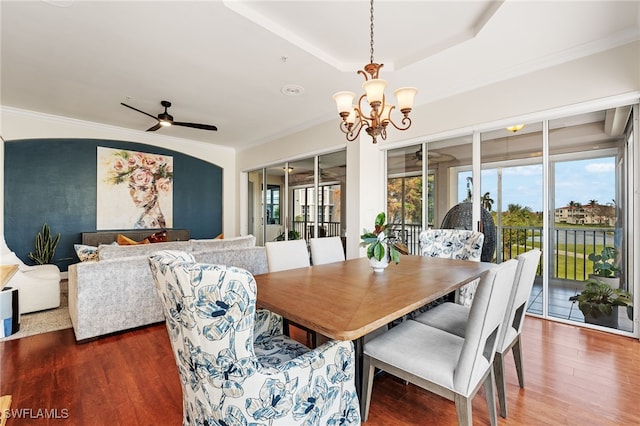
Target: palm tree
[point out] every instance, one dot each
(487, 201)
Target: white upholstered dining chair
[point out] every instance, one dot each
(326, 250)
(443, 363)
(290, 254)
(453, 318)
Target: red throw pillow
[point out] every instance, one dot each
(158, 237)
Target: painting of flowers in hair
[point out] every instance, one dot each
(134, 190)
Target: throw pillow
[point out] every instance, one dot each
(86, 253)
(158, 237)
(126, 241)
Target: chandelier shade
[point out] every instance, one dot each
(375, 90)
(405, 96)
(344, 102)
(375, 122)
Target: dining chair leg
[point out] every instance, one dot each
(490, 396)
(498, 368)
(517, 356)
(367, 387)
(285, 327)
(313, 336)
(463, 409)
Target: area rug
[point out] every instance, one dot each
(45, 321)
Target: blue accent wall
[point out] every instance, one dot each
(54, 181)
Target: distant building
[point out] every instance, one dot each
(586, 215)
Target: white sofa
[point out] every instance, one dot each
(117, 292)
(38, 286)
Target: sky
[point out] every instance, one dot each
(578, 180)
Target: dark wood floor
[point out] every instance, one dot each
(573, 377)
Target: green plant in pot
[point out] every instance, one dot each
(293, 235)
(605, 265)
(45, 246)
(381, 245)
(599, 303)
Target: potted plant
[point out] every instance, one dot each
(381, 245)
(605, 266)
(599, 303)
(45, 246)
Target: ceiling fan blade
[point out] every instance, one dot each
(136, 109)
(195, 125)
(154, 128)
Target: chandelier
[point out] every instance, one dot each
(375, 122)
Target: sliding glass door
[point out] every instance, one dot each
(298, 199)
(560, 185)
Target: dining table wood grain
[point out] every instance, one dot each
(347, 300)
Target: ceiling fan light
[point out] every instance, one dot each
(165, 123)
(375, 90)
(405, 96)
(344, 102)
(515, 128)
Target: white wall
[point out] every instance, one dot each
(20, 124)
(608, 74)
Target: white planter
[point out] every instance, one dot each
(614, 282)
(380, 265)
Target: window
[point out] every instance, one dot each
(273, 204)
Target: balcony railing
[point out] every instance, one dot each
(572, 245)
(325, 229)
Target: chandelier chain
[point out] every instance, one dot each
(371, 19)
(375, 121)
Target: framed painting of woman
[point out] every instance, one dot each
(134, 190)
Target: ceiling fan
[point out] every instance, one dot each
(433, 156)
(165, 119)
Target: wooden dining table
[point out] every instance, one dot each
(347, 300)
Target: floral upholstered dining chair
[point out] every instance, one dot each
(235, 365)
(454, 244)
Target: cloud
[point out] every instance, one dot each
(600, 167)
(534, 170)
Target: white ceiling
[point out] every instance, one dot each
(226, 62)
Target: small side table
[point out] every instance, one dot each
(6, 272)
(9, 303)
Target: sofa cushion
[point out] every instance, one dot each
(226, 243)
(253, 259)
(106, 252)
